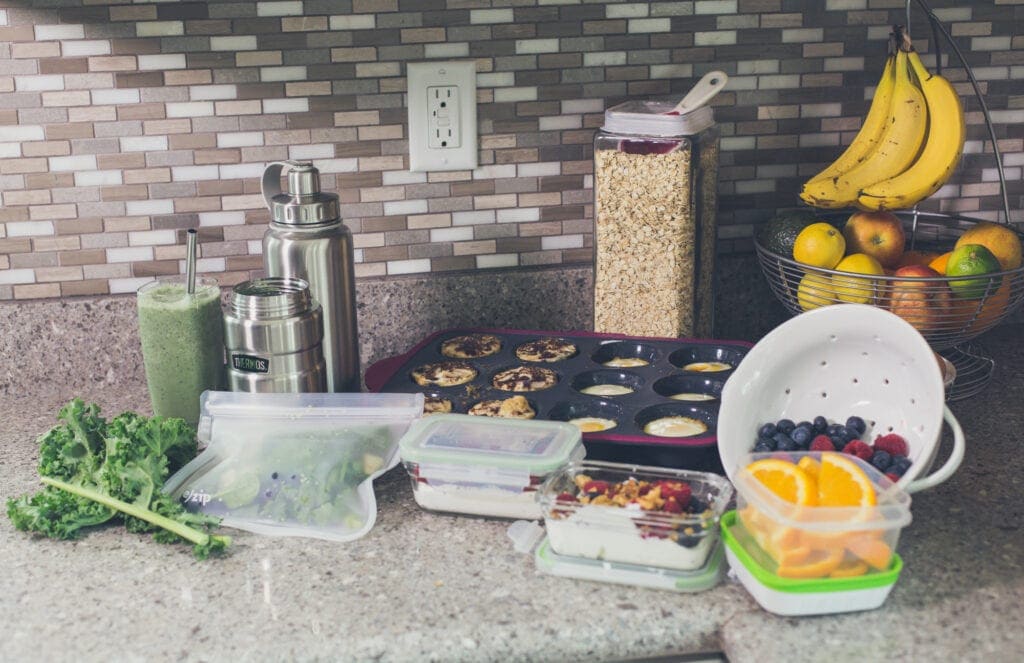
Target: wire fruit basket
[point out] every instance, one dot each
(948, 311)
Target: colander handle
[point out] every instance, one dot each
(951, 464)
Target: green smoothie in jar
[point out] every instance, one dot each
(182, 344)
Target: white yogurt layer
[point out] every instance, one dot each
(478, 501)
(616, 540)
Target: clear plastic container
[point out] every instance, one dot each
(795, 541)
(655, 202)
(628, 533)
(485, 466)
(793, 597)
(294, 464)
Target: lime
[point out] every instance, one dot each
(819, 245)
(971, 260)
(238, 489)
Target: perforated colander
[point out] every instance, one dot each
(839, 361)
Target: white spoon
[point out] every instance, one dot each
(701, 93)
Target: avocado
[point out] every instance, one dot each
(779, 234)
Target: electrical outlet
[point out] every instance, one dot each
(442, 116)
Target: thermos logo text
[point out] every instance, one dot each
(250, 364)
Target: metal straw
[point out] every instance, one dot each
(190, 260)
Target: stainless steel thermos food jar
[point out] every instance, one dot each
(307, 240)
(273, 331)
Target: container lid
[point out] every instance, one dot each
(649, 118)
(515, 445)
(303, 203)
(566, 566)
(800, 585)
(892, 507)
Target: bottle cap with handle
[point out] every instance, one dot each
(303, 203)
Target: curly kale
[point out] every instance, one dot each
(96, 470)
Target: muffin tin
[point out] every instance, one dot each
(653, 385)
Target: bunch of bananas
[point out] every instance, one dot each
(907, 147)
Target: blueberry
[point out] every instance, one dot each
(785, 442)
(767, 441)
(857, 424)
(696, 505)
(785, 425)
(802, 436)
(761, 447)
(882, 460)
(806, 424)
(833, 430)
(900, 465)
(767, 430)
(690, 536)
(820, 424)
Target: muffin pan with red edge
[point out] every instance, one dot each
(652, 385)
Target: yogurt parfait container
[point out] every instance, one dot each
(486, 466)
(633, 514)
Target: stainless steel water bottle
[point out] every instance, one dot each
(273, 332)
(307, 240)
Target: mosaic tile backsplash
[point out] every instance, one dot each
(122, 125)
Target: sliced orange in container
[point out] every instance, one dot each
(810, 466)
(785, 480)
(872, 550)
(849, 569)
(819, 564)
(841, 482)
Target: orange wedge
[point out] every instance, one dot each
(819, 564)
(786, 480)
(849, 568)
(871, 550)
(842, 482)
(811, 466)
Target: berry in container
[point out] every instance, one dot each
(485, 466)
(819, 514)
(633, 514)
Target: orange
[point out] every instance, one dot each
(849, 569)
(1001, 240)
(841, 482)
(819, 245)
(786, 480)
(971, 260)
(811, 466)
(979, 315)
(939, 264)
(869, 548)
(818, 565)
(857, 290)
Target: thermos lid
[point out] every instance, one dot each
(303, 203)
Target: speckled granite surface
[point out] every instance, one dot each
(423, 586)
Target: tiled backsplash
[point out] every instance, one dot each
(121, 125)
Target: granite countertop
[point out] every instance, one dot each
(423, 586)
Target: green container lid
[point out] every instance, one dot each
(731, 529)
(486, 450)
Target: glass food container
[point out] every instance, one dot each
(622, 513)
(655, 200)
(485, 466)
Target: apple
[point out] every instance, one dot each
(878, 234)
(924, 304)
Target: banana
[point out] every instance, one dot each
(893, 153)
(941, 153)
(870, 131)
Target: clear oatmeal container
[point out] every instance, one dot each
(655, 200)
(485, 466)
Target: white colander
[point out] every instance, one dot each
(838, 361)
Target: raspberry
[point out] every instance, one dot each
(676, 491)
(595, 487)
(565, 497)
(859, 449)
(822, 443)
(892, 477)
(672, 506)
(892, 444)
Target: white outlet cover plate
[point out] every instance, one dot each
(422, 76)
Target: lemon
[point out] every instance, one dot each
(819, 245)
(815, 291)
(1001, 240)
(238, 488)
(972, 260)
(854, 289)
